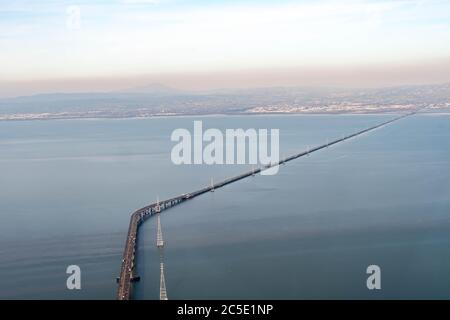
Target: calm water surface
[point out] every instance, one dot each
(67, 189)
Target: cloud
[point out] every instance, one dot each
(131, 39)
(140, 1)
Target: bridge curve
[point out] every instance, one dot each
(127, 275)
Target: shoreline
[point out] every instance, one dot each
(287, 114)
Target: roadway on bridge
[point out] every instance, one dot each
(127, 275)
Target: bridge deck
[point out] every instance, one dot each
(139, 216)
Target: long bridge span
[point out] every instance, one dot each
(127, 275)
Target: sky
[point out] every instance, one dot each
(95, 45)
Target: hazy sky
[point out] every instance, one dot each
(205, 44)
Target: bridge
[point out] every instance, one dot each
(127, 270)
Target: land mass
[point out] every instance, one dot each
(158, 100)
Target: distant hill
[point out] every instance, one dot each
(157, 99)
(152, 89)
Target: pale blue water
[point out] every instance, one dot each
(67, 189)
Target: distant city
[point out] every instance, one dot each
(159, 100)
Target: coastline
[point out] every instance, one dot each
(230, 114)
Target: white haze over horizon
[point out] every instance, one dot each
(203, 45)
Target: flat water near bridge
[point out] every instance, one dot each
(67, 189)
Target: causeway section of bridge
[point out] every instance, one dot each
(127, 275)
